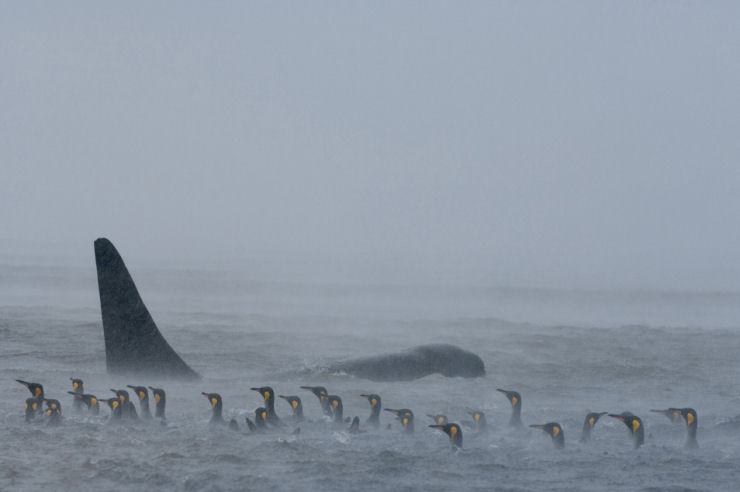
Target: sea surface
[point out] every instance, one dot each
(567, 353)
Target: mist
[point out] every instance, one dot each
(574, 144)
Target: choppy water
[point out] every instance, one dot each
(566, 352)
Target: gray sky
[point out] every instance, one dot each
(536, 143)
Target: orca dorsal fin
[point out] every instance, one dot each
(133, 343)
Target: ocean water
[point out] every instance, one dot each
(566, 352)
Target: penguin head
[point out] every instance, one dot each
(479, 418)
(335, 402)
(632, 422)
(593, 417)
(673, 414)
(121, 394)
(319, 391)
(405, 416)
(552, 428)
(77, 385)
(452, 430)
(373, 399)
(689, 415)
(514, 397)
(53, 408)
(159, 394)
(295, 402)
(32, 406)
(36, 389)
(214, 399)
(266, 392)
(141, 392)
(260, 416)
(438, 419)
(555, 432)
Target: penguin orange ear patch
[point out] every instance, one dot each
(555, 431)
(294, 403)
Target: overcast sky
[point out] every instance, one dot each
(532, 143)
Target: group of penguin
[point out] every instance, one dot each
(265, 416)
(120, 405)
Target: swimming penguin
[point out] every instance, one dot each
(128, 410)
(452, 430)
(354, 428)
(516, 407)
(375, 405)
(115, 406)
(91, 401)
(335, 403)
(260, 418)
(692, 422)
(321, 394)
(160, 397)
(296, 405)
(269, 395)
(405, 416)
(217, 405)
(36, 389)
(32, 408)
(143, 395)
(438, 419)
(53, 411)
(672, 414)
(78, 388)
(555, 431)
(479, 421)
(589, 423)
(634, 424)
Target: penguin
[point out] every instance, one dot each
(321, 394)
(115, 406)
(78, 388)
(555, 431)
(354, 428)
(438, 419)
(296, 405)
(375, 406)
(516, 407)
(91, 401)
(260, 418)
(672, 414)
(692, 423)
(37, 391)
(269, 395)
(32, 408)
(452, 430)
(335, 403)
(128, 410)
(160, 398)
(634, 424)
(589, 423)
(233, 425)
(405, 416)
(217, 405)
(53, 411)
(143, 395)
(479, 421)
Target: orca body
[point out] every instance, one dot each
(415, 363)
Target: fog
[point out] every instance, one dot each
(542, 144)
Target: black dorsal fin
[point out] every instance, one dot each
(133, 343)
